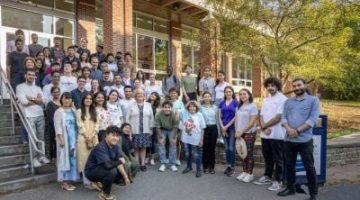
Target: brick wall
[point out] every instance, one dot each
(257, 80)
(85, 26)
(175, 43)
(209, 45)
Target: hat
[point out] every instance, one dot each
(241, 148)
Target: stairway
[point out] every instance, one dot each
(15, 172)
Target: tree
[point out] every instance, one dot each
(287, 36)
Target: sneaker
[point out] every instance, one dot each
(248, 178)
(44, 160)
(206, 171)
(241, 176)
(97, 186)
(231, 172)
(276, 186)
(186, 170)
(264, 180)
(152, 162)
(178, 162)
(147, 161)
(36, 162)
(162, 168)
(104, 196)
(89, 187)
(220, 140)
(198, 173)
(227, 170)
(174, 168)
(143, 168)
(212, 171)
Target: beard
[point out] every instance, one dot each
(299, 92)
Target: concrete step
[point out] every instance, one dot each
(15, 149)
(7, 131)
(7, 115)
(14, 171)
(9, 140)
(8, 122)
(21, 159)
(16, 184)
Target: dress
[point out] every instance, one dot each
(141, 140)
(50, 129)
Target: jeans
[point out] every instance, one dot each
(272, 151)
(188, 155)
(38, 126)
(229, 143)
(291, 150)
(105, 176)
(166, 134)
(210, 137)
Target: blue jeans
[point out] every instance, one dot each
(197, 153)
(172, 147)
(229, 143)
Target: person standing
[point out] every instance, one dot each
(245, 127)
(102, 114)
(68, 82)
(209, 112)
(100, 53)
(272, 134)
(95, 72)
(299, 117)
(15, 64)
(66, 139)
(55, 66)
(83, 47)
(189, 85)
(31, 98)
(51, 107)
(57, 52)
(154, 100)
(221, 84)
(226, 117)
(127, 101)
(116, 86)
(207, 84)
(170, 81)
(111, 62)
(88, 126)
(34, 48)
(167, 126)
(140, 116)
(84, 60)
(116, 117)
(78, 94)
(11, 45)
(192, 126)
(71, 58)
(129, 65)
(152, 87)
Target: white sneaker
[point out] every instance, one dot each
(146, 160)
(178, 162)
(174, 168)
(248, 178)
(152, 162)
(241, 176)
(276, 186)
(162, 168)
(36, 162)
(44, 160)
(264, 180)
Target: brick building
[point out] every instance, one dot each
(157, 32)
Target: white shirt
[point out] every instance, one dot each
(68, 83)
(125, 105)
(219, 90)
(115, 114)
(152, 88)
(198, 122)
(22, 91)
(47, 93)
(120, 90)
(272, 106)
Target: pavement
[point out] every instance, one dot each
(154, 185)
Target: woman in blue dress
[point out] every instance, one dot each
(66, 134)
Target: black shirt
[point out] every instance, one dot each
(103, 155)
(16, 62)
(77, 96)
(68, 59)
(34, 49)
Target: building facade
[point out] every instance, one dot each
(157, 32)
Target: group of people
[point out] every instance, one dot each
(103, 121)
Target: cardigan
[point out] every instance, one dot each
(133, 114)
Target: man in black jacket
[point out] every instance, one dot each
(104, 164)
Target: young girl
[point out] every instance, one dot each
(66, 136)
(226, 117)
(85, 72)
(102, 114)
(88, 126)
(192, 126)
(154, 100)
(209, 112)
(40, 74)
(246, 115)
(114, 109)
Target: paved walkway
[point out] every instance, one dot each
(153, 185)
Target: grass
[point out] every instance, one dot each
(341, 103)
(341, 132)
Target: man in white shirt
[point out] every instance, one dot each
(127, 101)
(272, 134)
(68, 82)
(31, 98)
(55, 81)
(117, 86)
(152, 87)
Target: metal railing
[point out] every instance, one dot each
(6, 88)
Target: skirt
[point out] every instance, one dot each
(142, 140)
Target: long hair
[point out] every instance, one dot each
(206, 92)
(251, 98)
(95, 96)
(143, 76)
(156, 103)
(92, 110)
(232, 89)
(111, 91)
(217, 80)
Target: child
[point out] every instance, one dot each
(192, 126)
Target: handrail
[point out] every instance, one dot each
(33, 139)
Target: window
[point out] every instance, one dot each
(48, 3)
(67, 5)
(149, 23)
(161, 54)
(64, 27)
(26, 20)
(144, 22)
(242, 72)
(145, 52)
(99, 31)
(190, 48)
